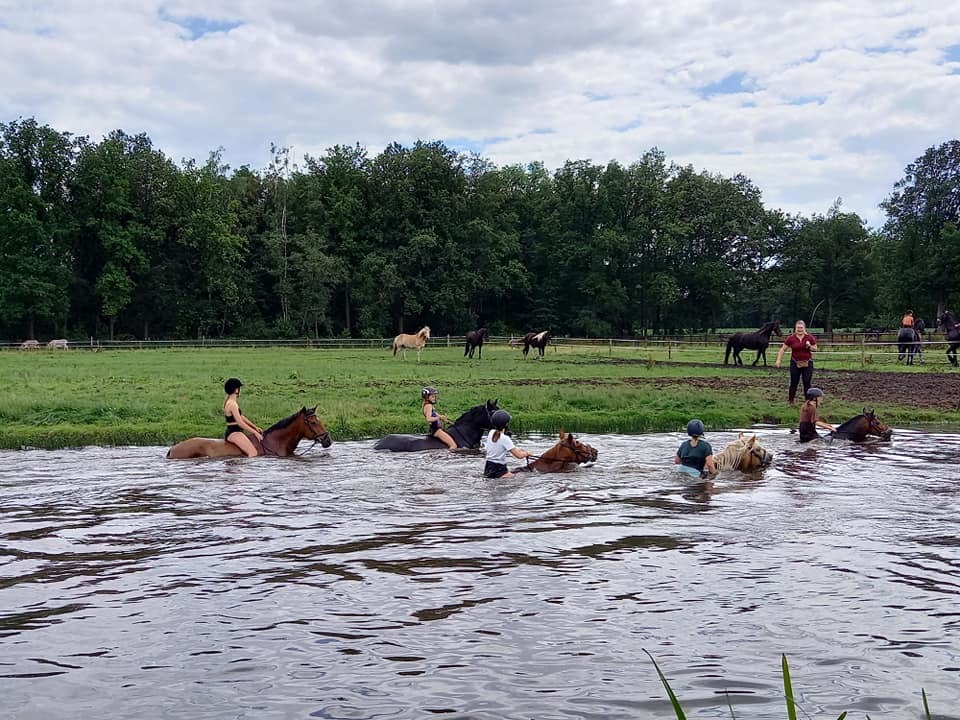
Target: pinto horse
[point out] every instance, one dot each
(758, 341)
(538, 340)
(908, 343)
(565, 456)
(414, 342)
(467, 430)
(860, 427)
(475, 340)
(279, 440)
(951, 331)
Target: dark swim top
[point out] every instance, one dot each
(232, 426)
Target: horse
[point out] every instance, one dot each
(921, 327)
(908, 341)
(475, 340)
(860, 427)
(414, 342)
(279, 440)
(758, 341)
(467, 430)
(58, 344)
(565, 456)
(744, 454)
(538, 340)
(951, 332)
(29, 345)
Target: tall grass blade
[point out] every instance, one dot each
(926, 708)
(788, 689)
(673, 698)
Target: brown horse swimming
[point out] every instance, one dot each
(861, 427)
(565, 456)
(414, 342)
(279, 440)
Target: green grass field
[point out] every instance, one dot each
(147, 397)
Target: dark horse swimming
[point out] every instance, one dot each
(758, 341)
(467, 431)
(951, 330)
(475, 340)
(862, 426)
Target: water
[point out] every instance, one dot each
(357, 584)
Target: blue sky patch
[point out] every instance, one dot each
(197, 27)
(626, 127)
(952, 53)
(542, 131)
(596, 96)
(808, 100)
(733, 83)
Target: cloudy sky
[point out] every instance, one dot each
(812, 100)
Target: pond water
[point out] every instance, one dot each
(356, 584)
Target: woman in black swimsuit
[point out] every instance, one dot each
(237, 424)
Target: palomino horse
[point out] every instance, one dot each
(538, 340)
(475, 340)
(565, 456)
(758, 341)
(58, 344)
(860, 427)
(466, 432)
(279, 440)
(908, 343)
(951, 330)
(414, 342)
(744, 454)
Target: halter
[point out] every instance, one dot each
(580, 456)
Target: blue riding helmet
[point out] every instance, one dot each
(427, 392)
(231, 386)
(813, 393)
(500, 419)
(695, 428)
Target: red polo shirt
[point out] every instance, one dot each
(798, 347)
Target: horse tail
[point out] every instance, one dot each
(726, 358)
(466, 348)
(394, 347)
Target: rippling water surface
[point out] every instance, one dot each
(356, 584)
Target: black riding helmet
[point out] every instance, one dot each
(427, 392)
(500, 419)
(695, 428)
(231, 386)
(813, 393)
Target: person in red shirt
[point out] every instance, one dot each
(802, 345)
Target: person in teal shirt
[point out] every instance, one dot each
(695, 455)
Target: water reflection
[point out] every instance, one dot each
(352, 583)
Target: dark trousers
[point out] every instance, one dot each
(796, 374)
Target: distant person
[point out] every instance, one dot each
(498, 445)
(434, 419)
(237, 424)
(907, 320)
(802, 345)
(809, 416)
(695, 455)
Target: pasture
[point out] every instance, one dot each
(157, 397)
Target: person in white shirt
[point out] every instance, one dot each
(499, 443)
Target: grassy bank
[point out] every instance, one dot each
(146, 397)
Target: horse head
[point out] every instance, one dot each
(581, 451)
(754, 456)
(772, 327)
(315, 429)
(875, 426)
(425, 332)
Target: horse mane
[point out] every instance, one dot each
(424, 331)
(286, 422)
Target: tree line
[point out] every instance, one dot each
(113, 239)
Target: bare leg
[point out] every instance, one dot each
(243, 442)
(445, 437)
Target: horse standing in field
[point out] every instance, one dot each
(29, 345)
(58, 344)
(908, 343)
(921, 327)
(951, 331)
(758, 341)
(414, 342)
(538, 340)
(475, 340)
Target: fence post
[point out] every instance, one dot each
(669, 348)
(862, 337)
(611, 347)
(448, 340)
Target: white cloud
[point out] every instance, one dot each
(836, 97)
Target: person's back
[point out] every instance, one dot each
(808, 421)
(907, 320)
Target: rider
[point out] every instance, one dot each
(809, 420)
(696, 452)
(907, 320)
(434, 419)
(237, 424)
(499, 443)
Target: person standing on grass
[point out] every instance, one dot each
(802, 345)
(237, 424)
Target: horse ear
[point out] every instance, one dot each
(303, 409)
(312, 411)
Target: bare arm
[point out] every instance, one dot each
(519, 454)
(783, 349)
(710, 466)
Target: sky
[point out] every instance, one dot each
(814, 101)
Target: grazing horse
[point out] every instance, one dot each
(538, 340)
(758, 341)
(58, 344)
(29, 345)
(743, 454)
(951, 331)
(921, 327)
(467, 430)
(475, 340)
(860, 427)
(279, 440)
(414, 342)
(565, 456)
(908, 342)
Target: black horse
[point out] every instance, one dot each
(475, 340)
(538, 340)
(951, 331)
(467, 431)
(758, 341)
(908, 343)
(860, 427)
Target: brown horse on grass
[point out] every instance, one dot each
(414, 342)
(475, 340)
(565, 456)
(279, 440)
